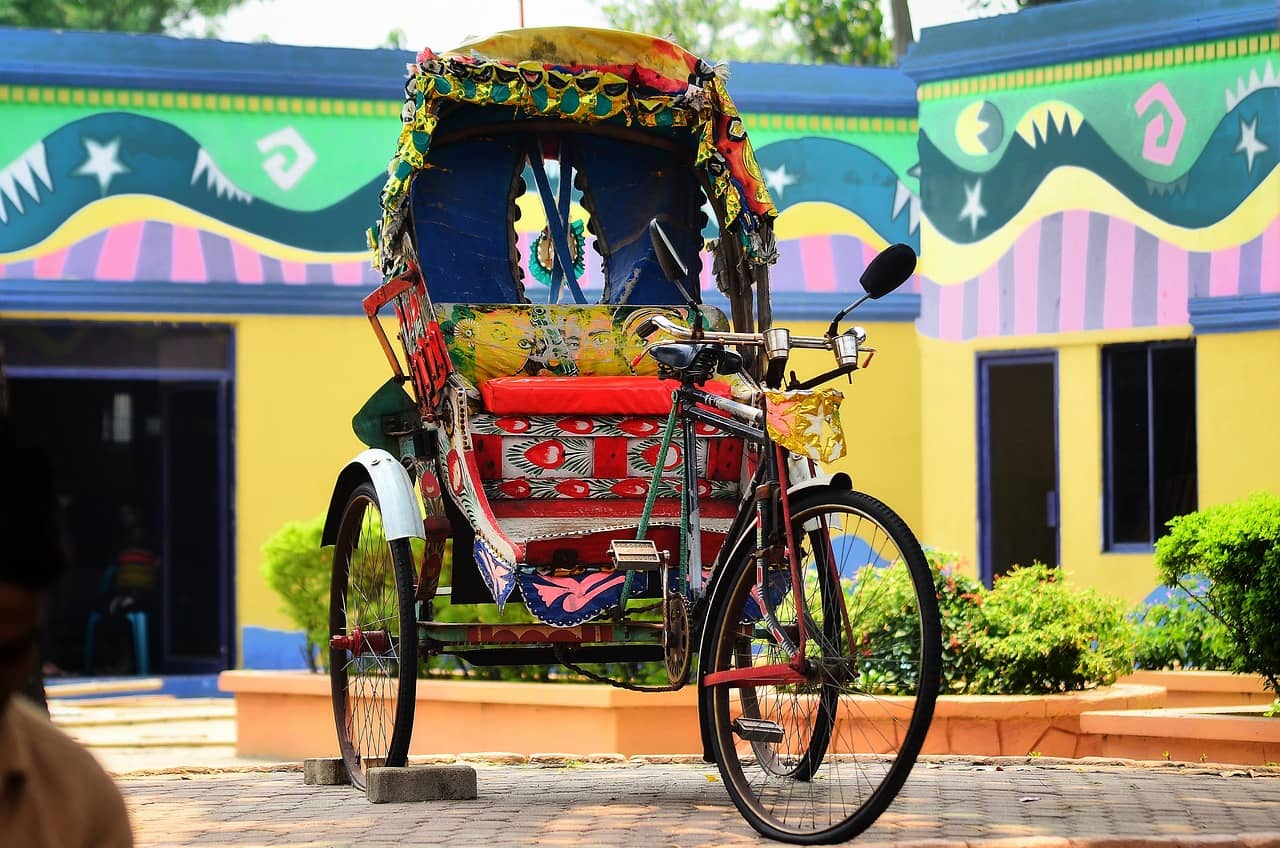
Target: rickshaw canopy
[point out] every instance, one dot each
(638, 128)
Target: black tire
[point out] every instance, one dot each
(850, 734)
(373, 687)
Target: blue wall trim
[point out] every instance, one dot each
(185, 298)
(822, 90)
(45, 57)
(278, 299)
(1236, 314)
(93, 59)
(264, 647)
(1081, 29)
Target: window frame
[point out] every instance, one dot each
(1109, 544)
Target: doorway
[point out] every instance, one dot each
(1017, 461)
(136, 420)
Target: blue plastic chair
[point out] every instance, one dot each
(137, 625)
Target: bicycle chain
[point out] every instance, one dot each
(599, 678)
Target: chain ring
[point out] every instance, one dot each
(675, 639)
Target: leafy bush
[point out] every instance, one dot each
(298, 570)
(1181, 633)
(1031, 634)
(1035, 634)
(1235, 548)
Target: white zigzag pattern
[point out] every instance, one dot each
(215, 180)
(22, 173)
(1244, 89)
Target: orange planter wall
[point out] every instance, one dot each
(1193, 688)
(289, 716)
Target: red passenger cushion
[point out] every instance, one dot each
(584, 395)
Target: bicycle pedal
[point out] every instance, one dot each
(635, 555)
(757, 729)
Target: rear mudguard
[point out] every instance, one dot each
(839, 482)
(398, 503)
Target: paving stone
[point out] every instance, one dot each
(421, 783)
(325, 771)
(638, 805)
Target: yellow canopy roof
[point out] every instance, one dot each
(585, 46)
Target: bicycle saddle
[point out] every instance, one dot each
(696, 359)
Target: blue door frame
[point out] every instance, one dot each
(222, 381)
(986, 362)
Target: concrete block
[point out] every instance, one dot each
(325, 771)
(421, 783)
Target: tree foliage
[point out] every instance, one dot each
(110, 15)
(838, 32)
(849, 32)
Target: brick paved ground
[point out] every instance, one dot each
(1015, 802)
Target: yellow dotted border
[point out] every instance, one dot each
(1164, 57)
(184, 101)
(830, 123)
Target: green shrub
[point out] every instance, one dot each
(1181, 633)
(1035, 634)
(1235, 548)
(298, 570)
(883, 603)
(1031, 634)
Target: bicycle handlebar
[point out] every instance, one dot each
(662, 322)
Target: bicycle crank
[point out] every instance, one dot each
(675, 638)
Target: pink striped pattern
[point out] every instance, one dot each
(1224, 273)
(1171, 282)
(1075, 243)
(294, 273)
(248, 264)
(49, 266)
(348, 273)
(951, 312)
(119, 257)
(188, 257)
(989, 302)
(1117, 310)
(1026, 275)
(819, 264)
(1271, 259)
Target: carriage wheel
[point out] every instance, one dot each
(819, 759)
(373, 652)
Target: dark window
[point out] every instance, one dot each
(1149, 416)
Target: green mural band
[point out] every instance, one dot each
(1109, 66)
(183, 101)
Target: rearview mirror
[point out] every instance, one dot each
(890, 269)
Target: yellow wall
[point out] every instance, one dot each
(880, 413)
(950, 442)
(1238, 414)
(298, 382)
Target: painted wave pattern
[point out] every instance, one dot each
(828, 170)
(153, 251)
(967, 206)
(122, 154)
(118, 153)
(1082, 270)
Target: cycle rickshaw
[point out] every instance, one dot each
(604, 445)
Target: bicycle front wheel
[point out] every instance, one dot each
(818, 759)
(373, 653)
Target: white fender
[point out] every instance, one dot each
(401, 514)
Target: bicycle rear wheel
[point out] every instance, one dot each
(819, 758)
(373, 653)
